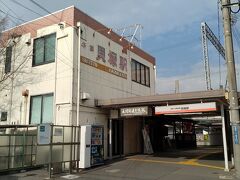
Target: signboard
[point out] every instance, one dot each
(102, 67)
(44, 134)
(186, 108)
(134, 111)
(236, 141)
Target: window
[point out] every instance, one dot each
(44, 50)
(41, 109)
(134, 73)
(140, 73)
(147, 72)
(8, 60)
(3, 116)
(143, 74)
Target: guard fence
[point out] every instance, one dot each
(20, 148)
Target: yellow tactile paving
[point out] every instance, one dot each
(190, 162)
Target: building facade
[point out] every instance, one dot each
(57, 67)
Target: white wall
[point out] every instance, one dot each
(41, 79)
(60, 78)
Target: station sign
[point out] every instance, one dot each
(135, 111)
(186, 108)
(44, 134)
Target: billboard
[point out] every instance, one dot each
(186, 108)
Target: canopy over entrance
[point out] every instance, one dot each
(205, 108)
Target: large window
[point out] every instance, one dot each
(8, 60)
(140, 73)
(44, 49)
(41, 109)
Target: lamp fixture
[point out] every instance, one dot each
(109, 32)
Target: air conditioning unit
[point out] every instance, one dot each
(85, 96)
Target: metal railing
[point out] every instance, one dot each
(19, 148)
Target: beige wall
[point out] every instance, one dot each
(94, 81)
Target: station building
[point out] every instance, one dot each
(59, 66)
(68, 69)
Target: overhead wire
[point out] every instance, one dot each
(70, 65)
(20, 4)
(43, 8)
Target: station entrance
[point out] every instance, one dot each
(171, 122)
(170, 133)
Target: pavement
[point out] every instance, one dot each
(197, 164)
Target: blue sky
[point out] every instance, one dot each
(171, 33)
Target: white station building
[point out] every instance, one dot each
(59, 66)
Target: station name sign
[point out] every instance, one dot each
(186, 108)
(103, 67)
(135, 111)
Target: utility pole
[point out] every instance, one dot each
(233, 95)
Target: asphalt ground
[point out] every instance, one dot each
(197, 164)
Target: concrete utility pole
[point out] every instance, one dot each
(233, 96)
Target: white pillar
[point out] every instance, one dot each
(224, 139)
(110, 139)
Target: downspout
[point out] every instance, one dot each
(12, 83)
(78, 72)
(55, 84)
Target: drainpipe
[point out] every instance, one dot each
(25, 94)
(12, 83)
(78, 72)
(55, 84)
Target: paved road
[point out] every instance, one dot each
(199, 164)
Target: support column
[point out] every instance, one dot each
(224, 140)
(110, 139)
(232, 82)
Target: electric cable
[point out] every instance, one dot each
(43, 8)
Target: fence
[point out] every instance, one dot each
(19, 148)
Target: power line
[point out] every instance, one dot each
(26, 7)
(41, 7)
(66, 58)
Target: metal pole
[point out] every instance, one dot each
(50, 154)
(224, 140)
(176, 86)
(70, 168)
(233, 96)
(110, 139)
(78, 147)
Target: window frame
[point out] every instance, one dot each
(146, 73)
(8, 60)
(31, 100)
(44, 50)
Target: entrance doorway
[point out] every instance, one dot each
(117, 136)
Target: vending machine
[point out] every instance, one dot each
(91, 148)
